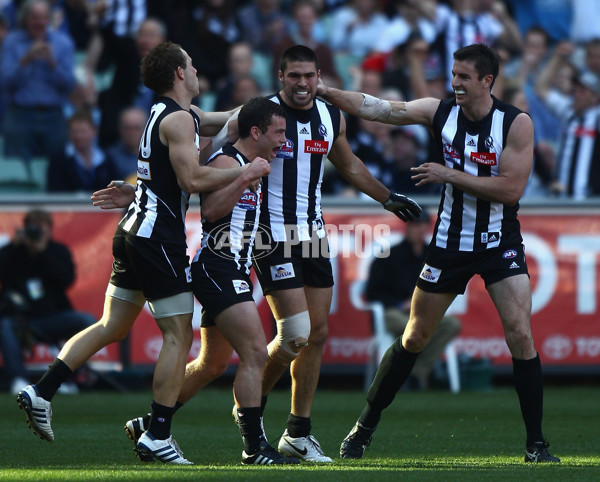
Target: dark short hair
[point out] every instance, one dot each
(81, 115)
(298, 53)
(159, 65)
(37, 216)
(258, 112)
(485, 59)
(25, 8)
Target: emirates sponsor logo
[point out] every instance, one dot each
(316, 147)
(484, 158)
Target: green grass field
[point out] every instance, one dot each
(423, 436)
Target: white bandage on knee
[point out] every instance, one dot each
(292, 336)
(222, 136)
(179, 304)
(380, 110)
(132, 296)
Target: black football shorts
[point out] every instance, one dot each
(218, 284)
(449, 271)
(157, 269)
(287, 267)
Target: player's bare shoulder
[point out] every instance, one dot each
(177, 125)
(520, 134)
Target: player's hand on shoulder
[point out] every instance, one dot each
(403, 207)
(321, 88)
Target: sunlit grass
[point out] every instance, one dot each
(422, 436)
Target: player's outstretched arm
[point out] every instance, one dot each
(420, 111)
(212, 122)
(117, 195)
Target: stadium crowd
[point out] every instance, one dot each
(70, 92)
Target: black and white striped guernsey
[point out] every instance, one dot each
(232, 236)
(159, 208)
(579, 155)
(292, 191)
(465, 222)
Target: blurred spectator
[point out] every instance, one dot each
(578, 160)
(392, 281)
(554, 16)
(127, 88)
(302, 28)
(473, 21)
(415, 71)
(124, 153)
(4, 28)
(522, 72)
(239, 65)
(243, 90)
(425, 81)
(215, 30)
(585, 25)
(263, 24)
(37, 74)
(542, 173)
(35, 273)
(367, 140)
(71, 18)
(356, 28)
(402, 153)
(592, 53)
(319, 26)
(82, 166)
(408, 21)
(525, 67)
(8, 11)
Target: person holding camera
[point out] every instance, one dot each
(35, 272)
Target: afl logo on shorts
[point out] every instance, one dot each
(286, 151)
(509, 254)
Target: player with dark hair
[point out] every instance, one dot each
(149, 250)
(295, 273)
(221, 272)
(296, 276)
(485, 148)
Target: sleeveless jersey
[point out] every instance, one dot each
(292, 191)
(159, 208)
(232, 236)
(465, 222)
(579, 155)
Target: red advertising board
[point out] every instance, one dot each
(562, 254)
